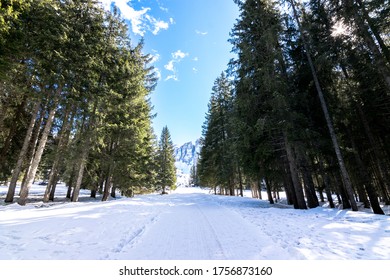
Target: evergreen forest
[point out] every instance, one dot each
(74, 102)
(304, 107)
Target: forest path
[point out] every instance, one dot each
(196, 226)
(188, 224)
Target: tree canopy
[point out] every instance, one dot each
(74, 100)
(309, 103)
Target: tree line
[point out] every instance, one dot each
(74, 102)
(305, 105)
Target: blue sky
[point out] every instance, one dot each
(188, 39)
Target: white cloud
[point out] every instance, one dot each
(162, 8)
(171, 77)
(136, 18)
(157, 25)
(201, 33)
(195, 70)
(162, 25)
(170, 66)
(140, 20)
(196, 59)
(179, 55)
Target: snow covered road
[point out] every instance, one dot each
(188, 225)
(194, 226)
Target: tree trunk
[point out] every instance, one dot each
(254, 190)
(240, 182)
(258, 185)
(63, 139)
(107, 188)
(373, 197)
(93, 192)
(327, 190)
(380, 161)
(288, 184)
(269, 191)
(69, 192)
(71, 182)
(362, 195)
(88, 132)
(113, 190)
(320, 188)
(22, 155)
(53, 188)
(311, 195)
(231, 187)
(344, 173)
(108, 184)
(37, 157)
(343, 197)
(2, 116)
(300, 199)
(101, 183)
(32, 148)
(80, 171)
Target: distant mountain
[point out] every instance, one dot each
(186, 156)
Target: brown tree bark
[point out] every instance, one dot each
(107, 188)
(376, 208)
(311, 195)
(269, 191)
(240, 182)
(22, 155)
(328, 191)
(37, 157)
(300, 199)
(254, 189)
(63, 140)
(80, 170)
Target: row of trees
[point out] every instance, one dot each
(305, 106)
(74, 102)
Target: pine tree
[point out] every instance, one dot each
(280, 135)
(262, 105)
(194, 177)
(344, 173)
(166, 176)
(85, 92)
(216, 162)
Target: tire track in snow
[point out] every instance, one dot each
(197, 227)
(131, 237)
(214, 233)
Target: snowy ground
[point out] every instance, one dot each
(187, 224)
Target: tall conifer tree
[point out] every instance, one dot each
(166, 177)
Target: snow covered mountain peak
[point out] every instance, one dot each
(186, 156)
